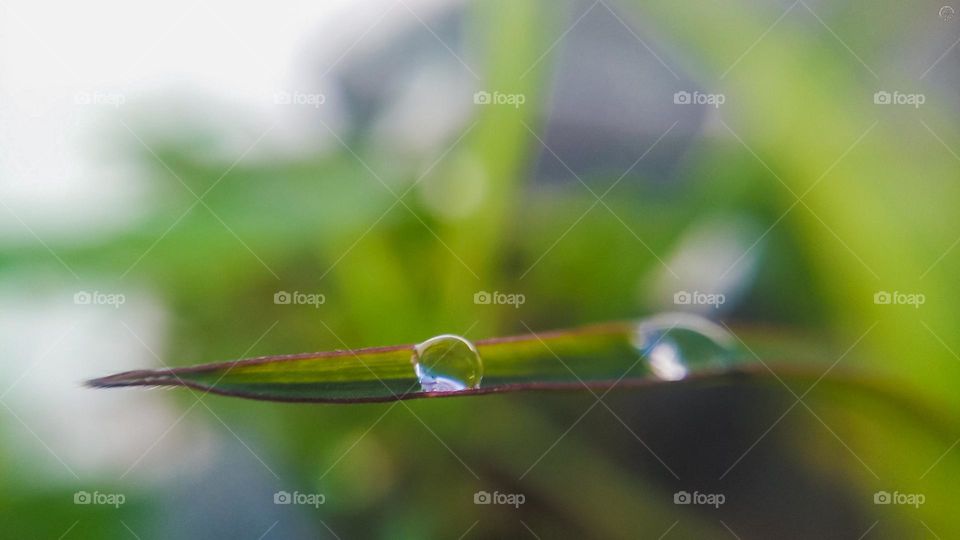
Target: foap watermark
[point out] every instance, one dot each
(98, 298)
(707, 499)
(498, 98)
(305, 499)
(897, 298)
(297, 298)
(947, 12)
(697, 298)
(110, 99)
(509, 499)
(883, 97)
(498, 298)
(698, 98)
(115, 500)
(310, 99)
(907, 499)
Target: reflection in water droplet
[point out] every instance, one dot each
(674, 343)
(447, 363)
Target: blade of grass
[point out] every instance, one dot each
(597, 356)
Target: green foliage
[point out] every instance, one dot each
(879, 215)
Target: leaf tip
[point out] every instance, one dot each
(135, 378)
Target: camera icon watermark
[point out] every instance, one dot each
(497, 298)
(297, 298)
(483, 97)
(115, 500)
(699, 98)
(707, 499)
(883, 97)
(697, 298)
(310, 99)
(305, 499)
(97, 298)
(509, 499)
(109, 99)
(908, 499)
(897, 298)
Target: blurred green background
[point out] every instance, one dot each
(399, 193)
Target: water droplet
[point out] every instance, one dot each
(676, 343)
(447, 363)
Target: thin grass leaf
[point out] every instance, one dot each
(664, 349)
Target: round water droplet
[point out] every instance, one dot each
(447, 363)
(675, 344)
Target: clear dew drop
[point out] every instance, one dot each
(447, 363)
(674, 344)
